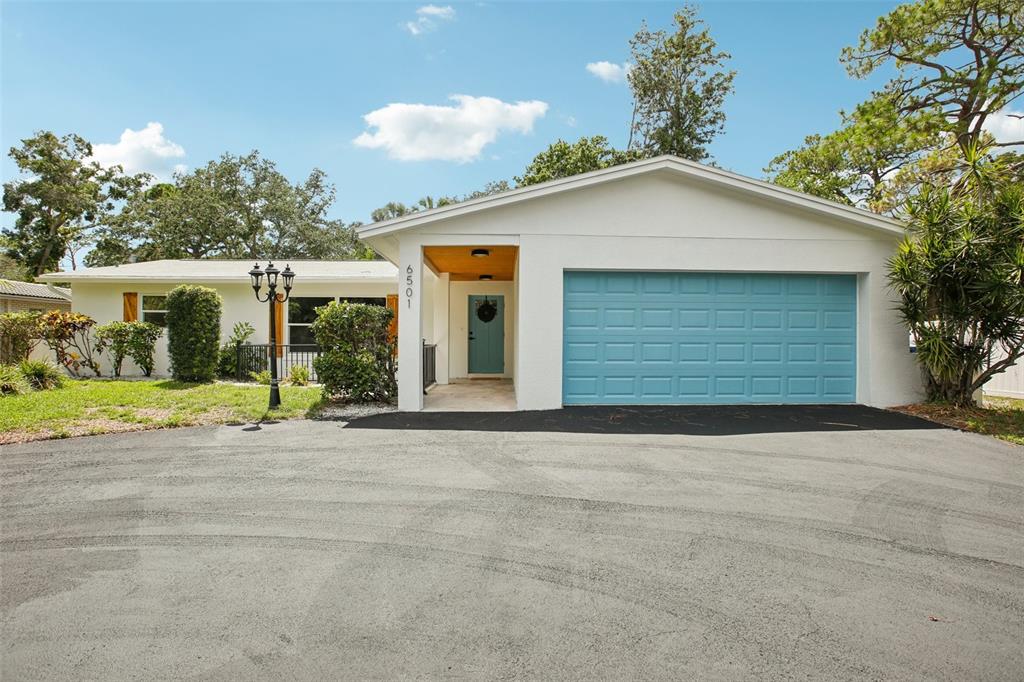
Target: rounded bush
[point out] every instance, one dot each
(41, 375)
(193, 332)
(358, 359)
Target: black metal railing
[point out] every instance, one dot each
(429, 364)
(253, 358)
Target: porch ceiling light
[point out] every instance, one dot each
(480, 253)
(487, 278)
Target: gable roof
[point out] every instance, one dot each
(671, 164)
(9, 287)
(228, 271)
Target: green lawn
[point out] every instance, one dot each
(100, 406)
(1002, 418)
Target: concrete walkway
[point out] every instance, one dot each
(312, 550)
(471, 395)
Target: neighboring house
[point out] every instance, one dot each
(655, 282)
(18, 296)
(137, 291)
(25, 296)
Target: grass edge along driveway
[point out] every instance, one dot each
(94, 406)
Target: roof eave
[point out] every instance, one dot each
(698, 171)
(143, 279)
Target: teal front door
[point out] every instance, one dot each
(486, 334)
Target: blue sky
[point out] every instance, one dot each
(295, 81)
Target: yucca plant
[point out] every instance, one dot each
(12, 382)
(960, 279)
(41, 375)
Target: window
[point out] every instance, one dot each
(301, 313)
(154, 309)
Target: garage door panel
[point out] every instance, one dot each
(709, 338)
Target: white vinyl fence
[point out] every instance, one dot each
(1009, 384)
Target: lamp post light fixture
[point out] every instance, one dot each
(272, 297)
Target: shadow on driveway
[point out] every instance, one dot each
(691, 420)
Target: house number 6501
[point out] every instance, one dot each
(408, 286)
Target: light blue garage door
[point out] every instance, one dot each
(663, 338)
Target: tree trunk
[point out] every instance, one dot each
(957, 395)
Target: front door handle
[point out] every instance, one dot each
(472, 338)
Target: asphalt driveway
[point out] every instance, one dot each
(310, 550)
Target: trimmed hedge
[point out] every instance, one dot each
(193, 332)
(358, 358)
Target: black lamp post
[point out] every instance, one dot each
(256, 275)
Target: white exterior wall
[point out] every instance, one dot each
(665, 222)
(102, 301)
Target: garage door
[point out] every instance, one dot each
(663, 338)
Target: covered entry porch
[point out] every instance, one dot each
(460, 298)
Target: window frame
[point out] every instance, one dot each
(288, 324)
(143, 311)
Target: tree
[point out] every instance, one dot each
(235, 207)
(679, 86)
(960, 279)
(493, 187)
(64, 196)
(962, 60)
(562, 159)
(390, 211)
(855, 165)
(396, 209)
(10, 267)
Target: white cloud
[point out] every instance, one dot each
(428, 18)
(421, 132)
(609, 72)
(1006, 125)
(139, 151)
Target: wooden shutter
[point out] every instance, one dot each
(131, 306)
(279, 313)
(393, 307)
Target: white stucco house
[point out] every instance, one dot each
(655, 282)
(137, 291)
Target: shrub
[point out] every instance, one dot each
(357, 362)
(136, 340)
(227, 361)
(960, 278)
(69, 336)
(41, 375)
(298, 375)
(261, 377)
(19, 334)
(12, 382)
(193, 332)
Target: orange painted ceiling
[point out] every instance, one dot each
(465, 267)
